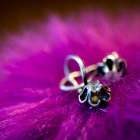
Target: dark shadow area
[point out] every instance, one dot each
(14, 13)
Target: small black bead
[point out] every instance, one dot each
(83, 95)
(100, 70)
(109, 63)
(104, 94)
(121, 66)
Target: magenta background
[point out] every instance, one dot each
(31, 66)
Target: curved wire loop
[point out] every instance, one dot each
(81, 65)
(70, 76)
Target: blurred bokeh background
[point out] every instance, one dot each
(15, 13)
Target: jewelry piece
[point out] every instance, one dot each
(112, 67)
(92, 92)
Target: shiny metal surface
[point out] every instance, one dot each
(70, 76)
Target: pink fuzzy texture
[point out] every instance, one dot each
(31, 66)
